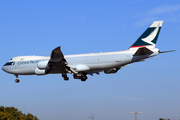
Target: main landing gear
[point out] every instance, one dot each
(64, 75)
(81, 76)
(17, 80)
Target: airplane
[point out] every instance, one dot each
(81, 65)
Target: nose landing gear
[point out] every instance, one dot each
(17, 80)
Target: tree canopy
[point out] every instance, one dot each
(11, 113)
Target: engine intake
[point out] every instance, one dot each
(42, 64)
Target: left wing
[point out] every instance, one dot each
(57, 63)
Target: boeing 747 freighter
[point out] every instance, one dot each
(81, 65)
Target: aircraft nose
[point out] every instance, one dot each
(8, 67)
(4, 68)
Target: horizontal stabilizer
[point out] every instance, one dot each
(167, 51)
(142, 51)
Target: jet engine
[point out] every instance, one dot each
(39, 72)
(42, 64)
(113, 70)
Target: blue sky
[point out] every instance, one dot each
(37, 27)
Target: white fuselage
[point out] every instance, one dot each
(90, 63)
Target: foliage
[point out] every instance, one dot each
(11, 113)
(161, 119)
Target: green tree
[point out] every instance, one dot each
(161, 119)
(11, 113)
(30, 116)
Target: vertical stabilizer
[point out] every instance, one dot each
(149, 37)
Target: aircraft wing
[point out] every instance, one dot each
(57, 63)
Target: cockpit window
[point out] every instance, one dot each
(9, 63)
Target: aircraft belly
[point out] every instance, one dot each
(101, 62)
(102, 66)
(29, 71)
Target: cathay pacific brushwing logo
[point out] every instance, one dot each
(151, 37)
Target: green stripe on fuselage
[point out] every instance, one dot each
(155, 39)
(140, 42)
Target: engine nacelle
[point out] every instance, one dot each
(42, 64)
(113, 70)
(82, 68)
(40, 72)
